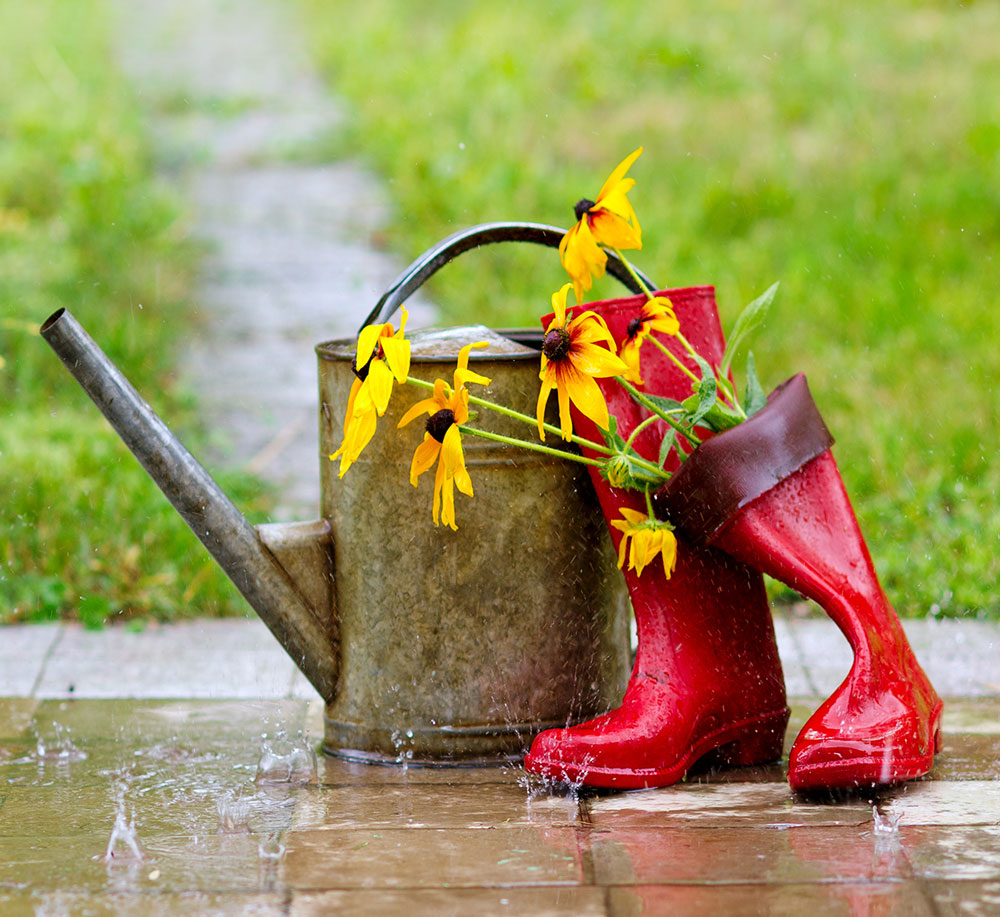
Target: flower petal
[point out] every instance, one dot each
(621, 547)
(448, 502)
(613, 230)
(424, 406)
(548, 382)
(618, 174)
(584, 393)
(367, 340)
(451, 452)
(565, 417)
(633, 515)
(438, 487)
(379, 385)
(596, 361)
(397, 356)
(668, 552)
(630, 357)
(559, 306)
(589, 328)
(423, 457)
(582, 257)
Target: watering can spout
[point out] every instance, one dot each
(284, 571)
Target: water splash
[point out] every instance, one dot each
(286, 761)
(886, 825)
(400, 741)
(57, 749)
(123, 845)
(270, 849)
(234, 814)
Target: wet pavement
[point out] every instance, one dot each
(222, 806)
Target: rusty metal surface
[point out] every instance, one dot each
(461, 645)
(211, 515)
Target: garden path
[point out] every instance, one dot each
(240, 121)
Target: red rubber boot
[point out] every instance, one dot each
(768, 493)
(882, 725)
(707, 677)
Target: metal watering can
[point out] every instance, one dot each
(427, 645)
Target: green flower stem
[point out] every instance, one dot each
(534, 447)
(649, 505)
(651, 419)
(632, 271)
(646, 403)
(517, 415)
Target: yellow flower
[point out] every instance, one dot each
(649, 537)
(571, 361)
(657, 314)
(610, 220)
(383, 355)
(442, 441)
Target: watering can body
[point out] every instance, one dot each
(427, 645)
(460, 645)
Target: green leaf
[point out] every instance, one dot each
(611, 438)
(754, 399)
(669, 441)
(708, 391)
(721, 417)
(752, 315)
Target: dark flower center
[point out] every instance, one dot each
(438, 424)
(556, 344)
(633, 327)
(582, 206)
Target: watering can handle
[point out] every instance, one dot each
(474, 236)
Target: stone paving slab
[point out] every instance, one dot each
(23, 653)
(239, 658)
(202, 658)
(961, 657)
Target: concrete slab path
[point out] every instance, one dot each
(237, 658)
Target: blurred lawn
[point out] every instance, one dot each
(849, 152)
(83, 531)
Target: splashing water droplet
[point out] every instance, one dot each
(58, 748)
(234, 814)
(123, 845)
(885, 825)
(286, 762)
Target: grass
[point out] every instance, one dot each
(84, 224)
(853, 153)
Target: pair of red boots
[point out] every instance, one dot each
(707, 679)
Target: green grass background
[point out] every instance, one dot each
(84, 225)
(849, 151)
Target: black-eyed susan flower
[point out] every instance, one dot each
(610, 220)
(644, 538)
(383, 356)
(442, 443)
(657, 314)
(571, 360)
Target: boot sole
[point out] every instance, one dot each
(872, 771)
(758, 740)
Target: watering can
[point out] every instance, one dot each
(427, 645)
